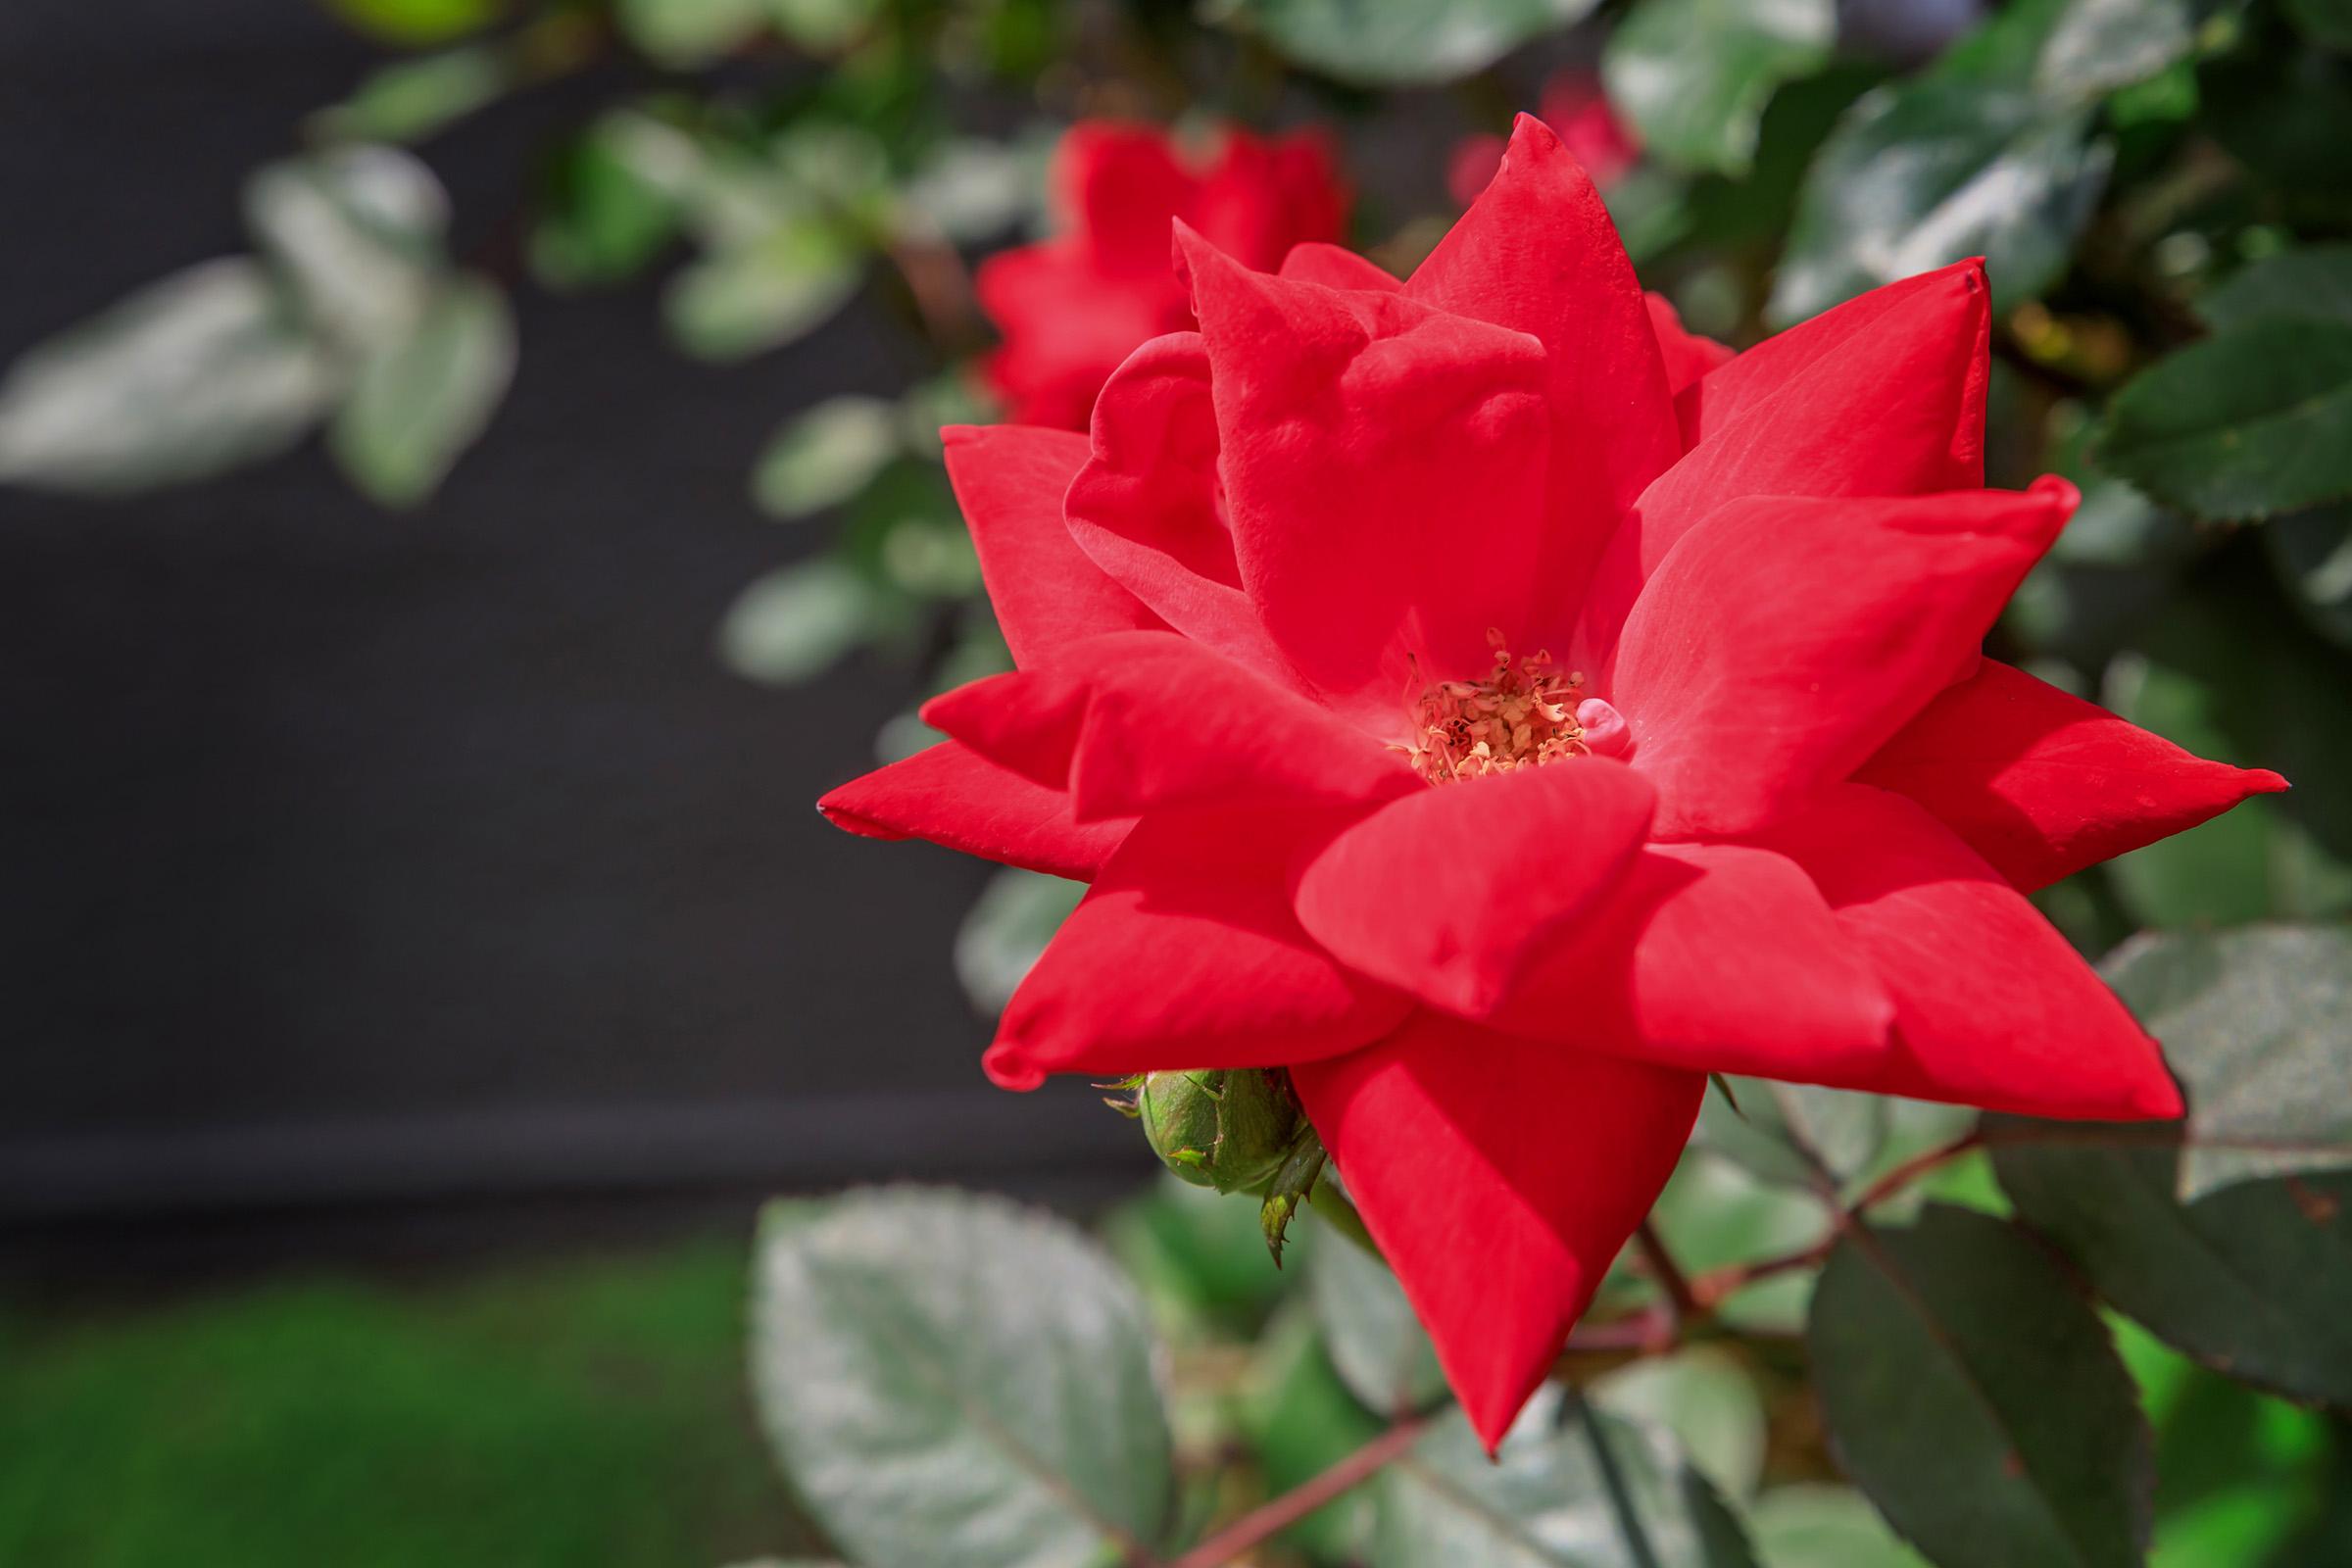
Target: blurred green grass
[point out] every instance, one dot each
(526, 1416)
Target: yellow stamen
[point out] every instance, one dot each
(1523, 715)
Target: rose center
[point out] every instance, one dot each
(1524, 715)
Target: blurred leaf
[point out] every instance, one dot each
(2308, 283)
(2250, 1280)
(187, 379)
(357, 232)
(1007, 931)
(1648, 204)
(1572, 1489)
(2253, 420)
(826, 455)
(2226, 674)
(410, 99)
(2285, 120)
(796, 622)
(412, 23)
(1824, 1526)
(2312, 552)
(2255, 1024)
(953, 1382)
(1933, 172)
(1198, 1255)
(614, 202)
(1300, 1420)
(688, 32)
(1695, 75)
(2101, 45)
(1705, 1396)
(1779, 1129)
(822, 26)
(1713, 1213)
(969, 189)
(758, 296)
(2326, 22)
(416, 404)
(1976, 1398)
(1396, 42)
(1376, 1344)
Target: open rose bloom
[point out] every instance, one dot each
(1503, 709)
(1073, 307)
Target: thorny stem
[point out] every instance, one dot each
(1711, 1287)
(1665, 1271)
(1653, 1329)
(1279, 1513)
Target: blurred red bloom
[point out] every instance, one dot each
(1578, 111)
(1071, 308)
(1503, 709)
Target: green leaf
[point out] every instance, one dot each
(2308, 283)
(1706, 1397)
(1824, 1526)
(358, 234)
(615, 202)
(1976, 1398)
(1199, 1257)
(416, 404)
(1376, 1343)
(1397, 42)
(1713, 1212)
(760, 295)
(2250, 1280)
(1007, 931)
(1795, 1133)
(187, 379)
(2098, 46)
(410, 100)
(969, 189)
(826, 455)
(2254, 1021)
(2312, 553)
(2322, 21)
(688, 32)
(411, 23)
(1695, 75)
(1579, 1490)
(953, 1382)
(798, 621)
(2224, 674)
(1300, 1420)
(2253, 420)
(1933, 172)
(822, 26)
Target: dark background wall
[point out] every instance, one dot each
(362, 868)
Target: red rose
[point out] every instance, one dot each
(1578, 111)
(1728, 787)
(1072, 308)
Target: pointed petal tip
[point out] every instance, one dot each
(2262, 781)
(841, 808)
(952, 710)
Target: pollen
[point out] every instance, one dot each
(1524, 715)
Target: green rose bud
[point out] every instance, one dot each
(1226, 1129)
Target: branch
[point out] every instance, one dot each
(1666, 1271)
(1279, 1513)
